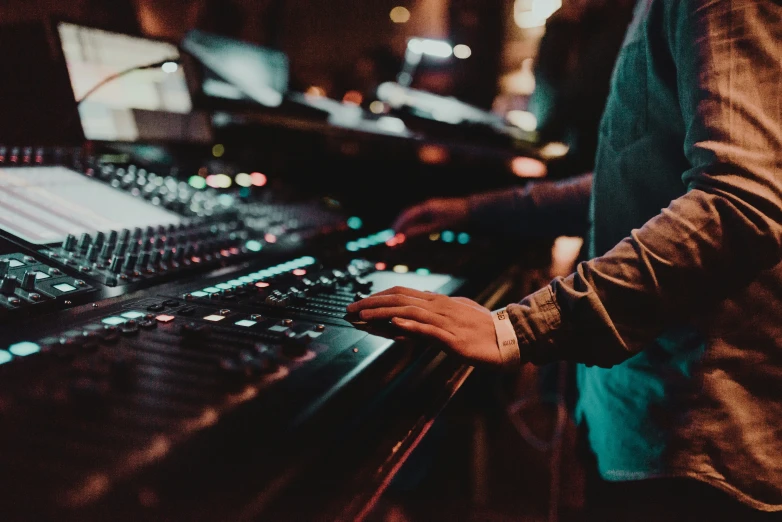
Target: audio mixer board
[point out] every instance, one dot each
(157, 338)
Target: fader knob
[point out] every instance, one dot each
(84, 242)
(28, 281)
(69, 243)
(8, 285)
(116, 264)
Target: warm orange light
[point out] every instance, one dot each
(433, 154)
(528, 167)
(270, 238)
(262, 284)
(258, 179)
(299, 272)
(353, 98)
(316, 91)
(380, 266)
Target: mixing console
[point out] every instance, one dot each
(148, 325)
(89, 403)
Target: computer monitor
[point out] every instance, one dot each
(237, 70)
(145, 105)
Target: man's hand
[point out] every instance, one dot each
(461, 325)
(432, 215)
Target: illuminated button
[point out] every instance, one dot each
(211, 290)
(245, 323)
(463, 238)
(355, 222)
(299, 272)
(199, 294)
(113, 321)
(423, 271)
(246, 279)
(163, 318)
(448, 236)
(65, 287)
(4, 357)
(133, 314)
(262, 284)
(352, 246)
(380, 266)
(401, 269)
(234, 282)
(214, 318)
(434, 237)
(41, 275)
(278, 328)
(224, 286)
(24, 348)
(13, 263)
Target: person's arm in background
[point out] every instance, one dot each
(724, 230)
(537, 209)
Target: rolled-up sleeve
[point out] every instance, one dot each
(722, 232)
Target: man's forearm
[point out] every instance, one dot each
(539, 209)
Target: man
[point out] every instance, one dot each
(677, 317)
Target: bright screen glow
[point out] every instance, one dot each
(149, 104)
(44, 204)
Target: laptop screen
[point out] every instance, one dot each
(148, 104)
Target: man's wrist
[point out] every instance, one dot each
(507, 341)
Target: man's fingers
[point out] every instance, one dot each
(396, 290)
(415, 313)
(424, 329)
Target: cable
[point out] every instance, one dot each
(113, 77)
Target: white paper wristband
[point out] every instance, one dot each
(506, 338)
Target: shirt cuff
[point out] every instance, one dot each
(536, 320)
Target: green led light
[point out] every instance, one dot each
(24, 349)
(246, 279)
(199, 294)
(235, 282)
(5, 357)
(352, 247)
(224, 286)
(308, 260)
(447, 236)
(364, 243)
(245, 322)
(113, 321)
(423, 271)
(355, 223)
(253, 245)
(197, 182)
(211, 290)
(133, 314)
(463, 238)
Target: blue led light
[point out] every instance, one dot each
(5, 357)
(113, 321)
(133, 314)
(308, 260)
(24, 349)
(423, 271)
(364, 243)
(447, 236)
(235, 282)
(199, 294)
(352, 246)
(246, 279)
(224, 286)
(355, 223)
(463, 238)
(253, 245)
(211, 290)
